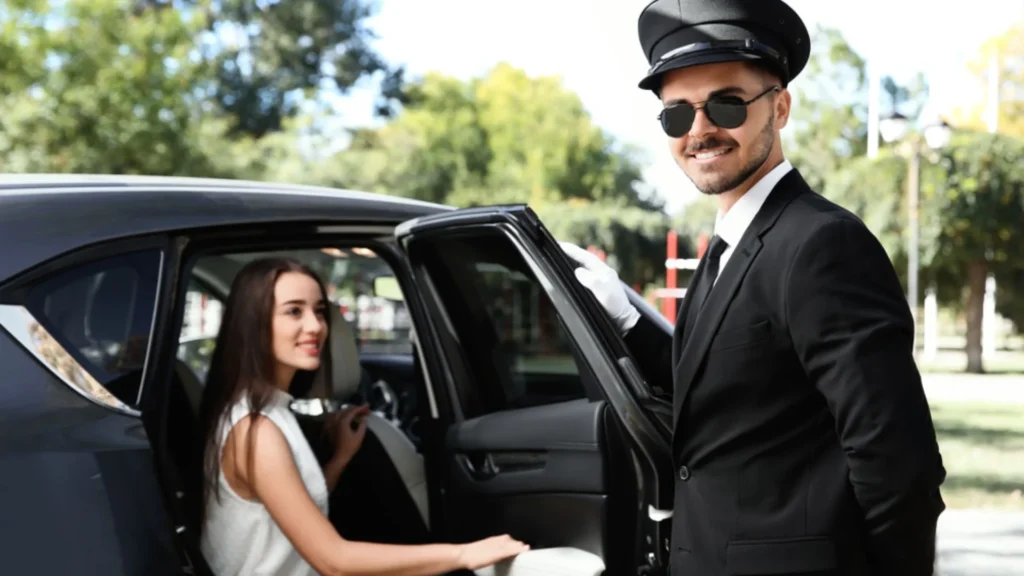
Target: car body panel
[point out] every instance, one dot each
(55, 215)
(78, 489)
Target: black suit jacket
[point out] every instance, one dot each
(803, 440)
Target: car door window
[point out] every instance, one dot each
(365, 289)
(203, 312)
(515, 346)
(101, 314)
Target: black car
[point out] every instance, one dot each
(504, 397)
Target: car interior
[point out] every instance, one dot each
(391, 446)
(570, 469)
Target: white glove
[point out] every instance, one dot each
(604, 283)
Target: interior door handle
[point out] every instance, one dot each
(480, 466)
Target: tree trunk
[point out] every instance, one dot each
(977, 272)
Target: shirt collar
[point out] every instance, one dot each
(731, 225)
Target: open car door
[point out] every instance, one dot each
(543, 427)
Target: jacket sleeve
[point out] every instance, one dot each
(651, 348)
(854, 334)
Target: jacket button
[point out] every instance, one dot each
(684, 473)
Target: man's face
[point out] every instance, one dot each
(717, 159)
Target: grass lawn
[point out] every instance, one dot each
(982, 447)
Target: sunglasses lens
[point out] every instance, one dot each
(726, 114)
(677, 120)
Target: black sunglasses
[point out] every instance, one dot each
(723, 111)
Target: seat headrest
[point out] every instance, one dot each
(345, 369)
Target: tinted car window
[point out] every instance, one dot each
(102, 313)
(514, 342)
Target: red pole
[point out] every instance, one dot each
(668, 304)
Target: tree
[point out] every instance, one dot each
(502, 138)
(1008, 49)
(100, 89)
(971, 206)
(272, 57)
(510, 138)
(982, 207)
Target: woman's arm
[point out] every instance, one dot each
(274, 480)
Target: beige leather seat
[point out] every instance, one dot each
(345, 381)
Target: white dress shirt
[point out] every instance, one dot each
(731, 225)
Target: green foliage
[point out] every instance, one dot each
(502, 138)
(982, 206)
(971, 209)
(981, 210)
(271, 57)
(104, 91)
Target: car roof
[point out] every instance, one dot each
(45, 215)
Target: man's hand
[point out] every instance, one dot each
(604, 283)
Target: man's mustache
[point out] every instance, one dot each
(710, 145)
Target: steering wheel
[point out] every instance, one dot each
(382, 398)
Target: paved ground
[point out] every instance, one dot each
(969, 388)
(981, 543)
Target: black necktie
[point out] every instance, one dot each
(703, 282)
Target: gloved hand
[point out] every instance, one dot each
(604, 283)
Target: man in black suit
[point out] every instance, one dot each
(803, 440)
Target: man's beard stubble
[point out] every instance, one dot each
(763, 147)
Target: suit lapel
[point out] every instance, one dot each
(680, 332)
(689, 359)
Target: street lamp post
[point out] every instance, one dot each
(896, 128)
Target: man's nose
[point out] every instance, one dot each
(702, 126)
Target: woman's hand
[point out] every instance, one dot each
(489, 551)
(347, 428)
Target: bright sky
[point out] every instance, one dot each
(593, 46)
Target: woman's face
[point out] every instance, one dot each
(299, 325)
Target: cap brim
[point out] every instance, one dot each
(653, 81)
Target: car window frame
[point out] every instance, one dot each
(454, 352)
(15, 294)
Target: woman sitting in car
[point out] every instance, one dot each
(264, 502)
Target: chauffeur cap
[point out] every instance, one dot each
(681, 33)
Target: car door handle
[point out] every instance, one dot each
(479, 465)
(486, 465)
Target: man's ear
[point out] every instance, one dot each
(783, 102)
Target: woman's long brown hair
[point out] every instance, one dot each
(243, 364)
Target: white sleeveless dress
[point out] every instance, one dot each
(239, 536)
